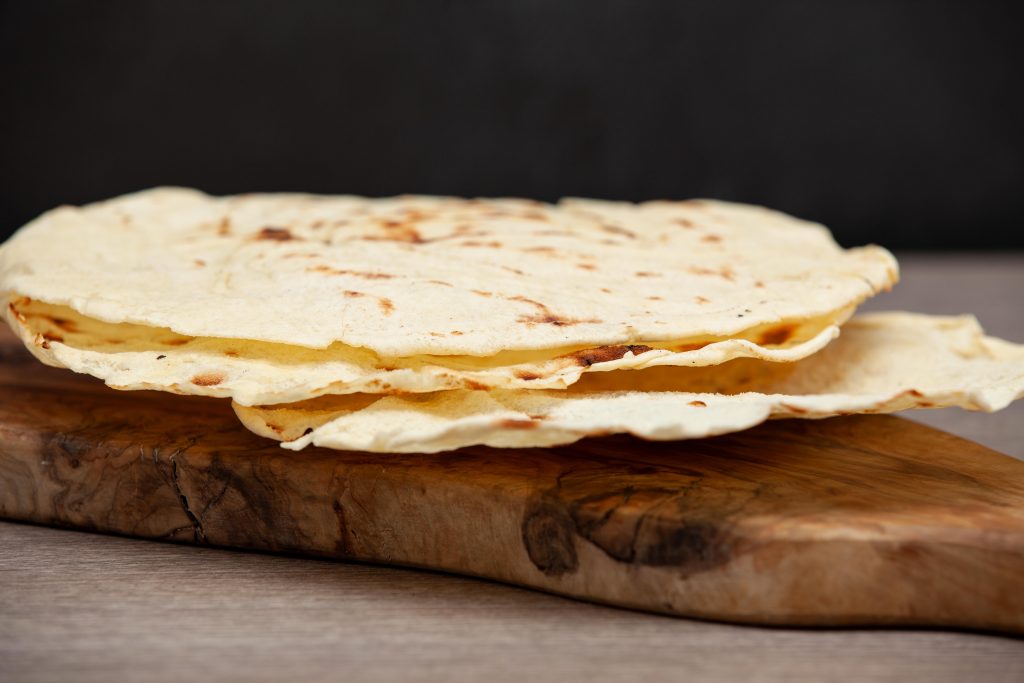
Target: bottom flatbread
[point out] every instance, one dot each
(881, 363)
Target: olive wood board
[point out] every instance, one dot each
(861, 520)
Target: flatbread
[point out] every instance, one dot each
(128, 356)
(409, 276)
(882, 362)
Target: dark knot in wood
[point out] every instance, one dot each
(549, 536)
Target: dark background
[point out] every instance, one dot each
(896, 122)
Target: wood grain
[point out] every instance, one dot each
(857, 520)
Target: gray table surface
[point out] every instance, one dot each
(83, 607)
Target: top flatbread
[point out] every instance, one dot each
(425, 275)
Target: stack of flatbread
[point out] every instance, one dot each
(421, 324)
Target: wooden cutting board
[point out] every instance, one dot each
(848, 521)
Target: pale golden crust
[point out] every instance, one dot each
(881, 363)
(130, 356)
(424, 275)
